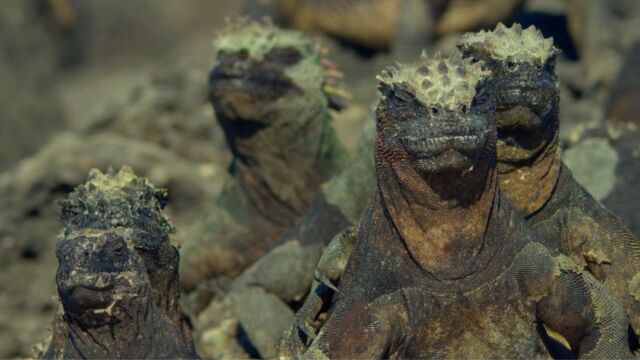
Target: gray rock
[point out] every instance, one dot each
(593, 162)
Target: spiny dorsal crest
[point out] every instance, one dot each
(116, 199)
(444, 81)
(515, 43)
(259, 37)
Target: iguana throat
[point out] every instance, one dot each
(435, 163)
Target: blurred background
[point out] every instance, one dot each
(93, 83)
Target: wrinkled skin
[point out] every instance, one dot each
(442, 256)
(532, 175)
(109, 304)
(132, 206)
(269, 99)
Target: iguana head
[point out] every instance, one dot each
(431, 115)
(100, 277)
(262, 71)
(119, 200)
(524, 87)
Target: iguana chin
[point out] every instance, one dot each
(110, 306)
(444, 266)
(133, 206)
(525, 89)
(271, 91)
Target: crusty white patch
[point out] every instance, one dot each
(258, 37)
(445, 81)
(514, 43)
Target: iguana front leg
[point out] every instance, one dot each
(582, 310)
(595, 240)
(330, 268)
(357, 329)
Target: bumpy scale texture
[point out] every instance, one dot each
(448, 82)
(444, 266)
(110, 307)
(111, 214)
(568, 219)
(271, 91)
(526, 45)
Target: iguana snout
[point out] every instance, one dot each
(96, 270)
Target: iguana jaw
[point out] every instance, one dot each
(444, 149)
(526, 100)
(96, 270)
(260, 80)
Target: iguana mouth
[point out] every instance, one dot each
(537, 99)
(82, 297)
(425, 146)
(256, 80)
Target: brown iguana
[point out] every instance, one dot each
(444, 265)
(271, 92)
(130, 206)
(110, 306)
(559, 209)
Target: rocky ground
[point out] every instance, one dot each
(129, 87)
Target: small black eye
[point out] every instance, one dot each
(117, 248)
(474, 59)
(511, 65)
(463, 109)
(434, 111)
(287, 56)
(402, 99)
(242, 55)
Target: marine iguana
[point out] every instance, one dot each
(441, 254)
(531, 173)
(271, 91)
(132, 206)
(110, 306)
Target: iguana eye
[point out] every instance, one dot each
(287, 56)
(403, 98)
(241, 55)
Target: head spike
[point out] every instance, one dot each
(515, 43)
(445, 81)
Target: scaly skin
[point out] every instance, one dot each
(281, 277)
(110, 306)
(560, 210)
(132, 206)
(271, 94)
(444, 266)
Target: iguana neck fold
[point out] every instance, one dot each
(277, 166)
(443, 232)
(134, 320)
(531, 183)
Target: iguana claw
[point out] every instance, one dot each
(323, 280)
(306, 329)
